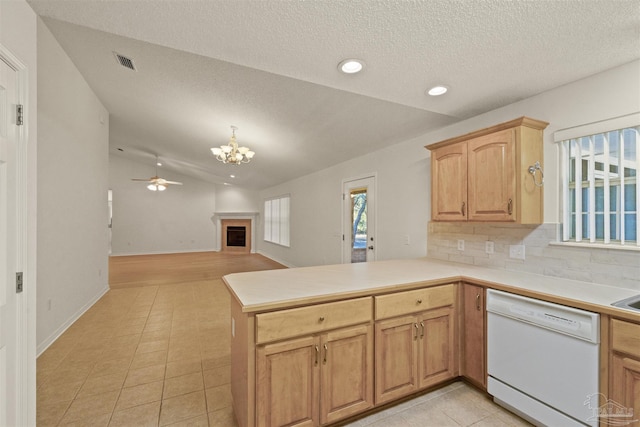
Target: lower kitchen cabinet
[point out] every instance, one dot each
(624, 387)
(315, 380)
(474, 365)
(414, 351)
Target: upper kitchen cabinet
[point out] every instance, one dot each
(484, 175)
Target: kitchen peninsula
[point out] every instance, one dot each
(309, 346)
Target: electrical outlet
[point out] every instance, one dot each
(461, 245)
(516, 251)
(407, 240)
(488, 247)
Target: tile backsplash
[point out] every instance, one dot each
(604, 266)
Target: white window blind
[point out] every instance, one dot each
(600, 182)
(276, 220)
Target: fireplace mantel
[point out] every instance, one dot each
(219, 216)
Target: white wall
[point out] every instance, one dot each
(230, 198)
(403, 172)
(72, 192)
(18, 34)
(178, 219)
(402, 203)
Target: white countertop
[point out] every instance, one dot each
(274, 289)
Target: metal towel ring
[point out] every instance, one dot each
(532, 171)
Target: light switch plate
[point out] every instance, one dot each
(489, 247)
(461, 245)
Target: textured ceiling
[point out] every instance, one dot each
(270, 67)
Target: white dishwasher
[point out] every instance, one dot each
(542, 359)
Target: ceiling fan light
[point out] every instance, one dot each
(161, 187)
(152, 187)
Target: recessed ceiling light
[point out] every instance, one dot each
(232, 176)
(351, 66)
(437, 90)
(158, 163)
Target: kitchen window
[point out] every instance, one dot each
(600, 182)
(276, 220)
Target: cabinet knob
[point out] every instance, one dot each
(419, 301)
(321, 319)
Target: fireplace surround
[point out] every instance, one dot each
(225, 220)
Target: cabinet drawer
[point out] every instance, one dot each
(308, 320)
(625, 337)
(414, 301)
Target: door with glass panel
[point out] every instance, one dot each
(358, 234)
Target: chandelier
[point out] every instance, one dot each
(231, 153)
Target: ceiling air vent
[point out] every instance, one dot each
(125, 62)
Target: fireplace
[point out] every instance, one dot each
(236, 236)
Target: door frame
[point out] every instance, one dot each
(371, 196)
(25, 369)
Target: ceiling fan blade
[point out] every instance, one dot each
(173, 182)
(140, 179)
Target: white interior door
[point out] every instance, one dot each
(359, 225)
(9, 350)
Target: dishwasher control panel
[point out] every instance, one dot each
(559, 318)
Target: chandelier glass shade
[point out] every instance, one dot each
(231, 153)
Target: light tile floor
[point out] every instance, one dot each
(159, 355)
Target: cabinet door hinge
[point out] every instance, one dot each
(18, 282)
(19, 115)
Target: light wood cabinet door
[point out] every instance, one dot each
(288, 383)
(625, 385)
(396, 358)
(474, 356)
(492, 181)
(449, 183)
(346, 372)
(436, 341)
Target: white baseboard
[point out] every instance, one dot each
(266, 255)
(41, 347)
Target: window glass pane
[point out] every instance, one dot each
(599, 199)
(284, 221)
(585, 200)
(613, 198)
(573, 153)
(585, 226)
(630, 227)
(600, 226)
(267, 220)
(275, 223)
(630, 198)
(613, 223)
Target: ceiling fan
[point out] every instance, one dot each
(155, 182)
